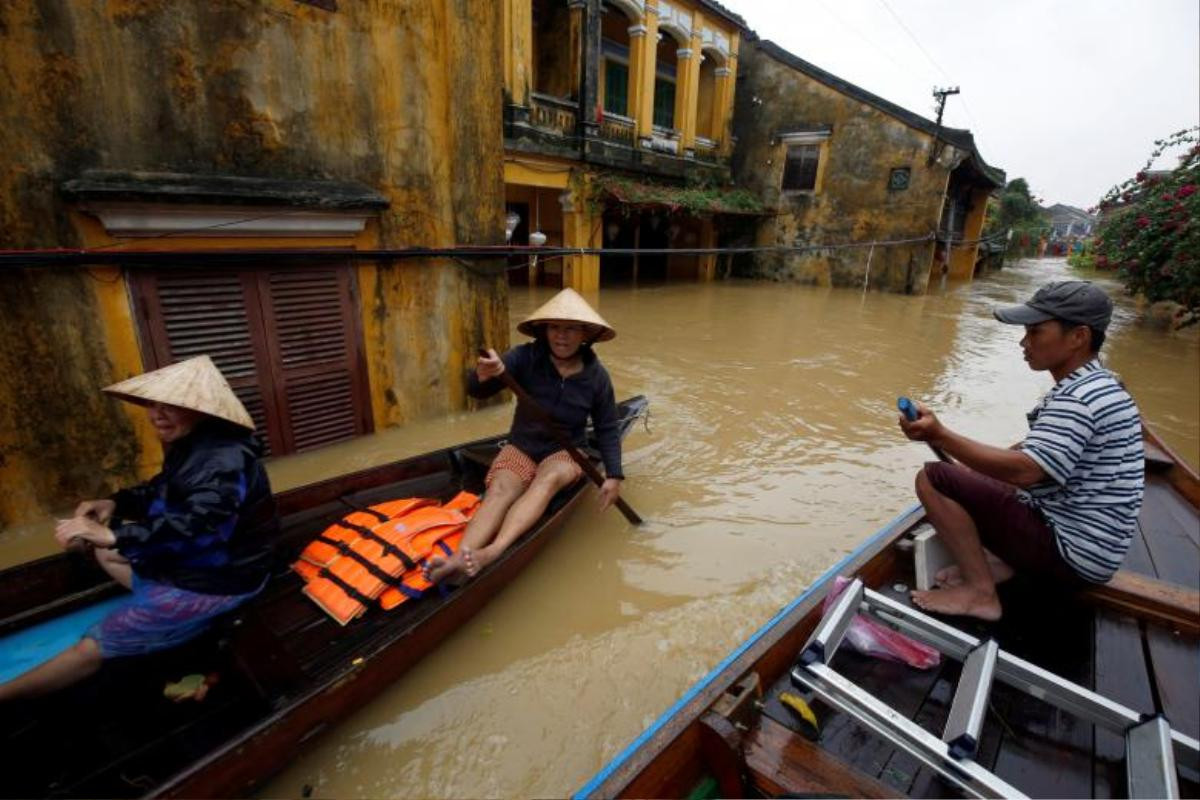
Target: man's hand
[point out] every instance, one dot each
(610, 490)
(69, 532)
(99, 510)
(925, 428)
(490, 367)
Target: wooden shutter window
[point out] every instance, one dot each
(308, 313)
(286, 339)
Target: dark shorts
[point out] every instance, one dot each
(1013, 531)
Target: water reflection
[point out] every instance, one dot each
(772, 451)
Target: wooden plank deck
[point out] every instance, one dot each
(1043, 751)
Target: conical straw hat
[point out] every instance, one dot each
(195, 383)
(568, 306)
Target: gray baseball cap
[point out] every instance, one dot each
(1077, 302)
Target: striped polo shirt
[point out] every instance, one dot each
(1086, 434)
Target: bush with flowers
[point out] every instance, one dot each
(1150, 229)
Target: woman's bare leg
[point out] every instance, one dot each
(551, 478)
(504, 490)
(66, 668)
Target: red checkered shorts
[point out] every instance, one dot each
(515, 461)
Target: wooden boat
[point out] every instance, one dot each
(1135, 641)
(286, 670)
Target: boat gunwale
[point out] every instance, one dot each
(200, 778)
(623, 769)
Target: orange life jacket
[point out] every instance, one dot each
(350, 564)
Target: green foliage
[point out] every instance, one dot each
(698, 199)
(1150, 229)
(1016, 210)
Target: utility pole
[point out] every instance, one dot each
(941, 95)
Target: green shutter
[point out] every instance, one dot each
(664, 103)
(616, 87)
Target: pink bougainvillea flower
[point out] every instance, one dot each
(1187, 190)
(1143, 221)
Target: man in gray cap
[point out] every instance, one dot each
(1062, 504)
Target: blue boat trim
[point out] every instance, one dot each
(612, 766)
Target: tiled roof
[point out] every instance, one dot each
(958, 137)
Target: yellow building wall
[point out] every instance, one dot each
(851, 201)
(962, 257)
(398, 95)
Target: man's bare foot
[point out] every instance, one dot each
(455, 570)
(951, 576)
(961, 601)
(947, 577)
(1001, 571)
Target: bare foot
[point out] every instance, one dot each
(948, 576)
(454, 570)
(1000, 570)
(951, 576)
(960, 600)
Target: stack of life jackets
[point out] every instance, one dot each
(377, 553)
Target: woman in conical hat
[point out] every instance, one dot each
(562, 373)
(191, 543)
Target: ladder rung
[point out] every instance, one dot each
(970, 700)
(832, 627)
(1022, 675)
(1150, 760)
(841, 693)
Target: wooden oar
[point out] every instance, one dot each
(909, 409)
(583, 461)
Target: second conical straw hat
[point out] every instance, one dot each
(195, 383)
(567, 306)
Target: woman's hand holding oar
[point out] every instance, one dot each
(490, 366)
(920, 425)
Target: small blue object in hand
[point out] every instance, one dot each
(908, 408)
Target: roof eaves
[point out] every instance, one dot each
(958, 137)
(736, 19)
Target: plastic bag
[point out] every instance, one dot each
(874, 639)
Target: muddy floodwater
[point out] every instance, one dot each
(771, 451)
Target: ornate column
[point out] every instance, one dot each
(580, 229)
(687, 95)
(518, 57)
(577, 9)
(726, 77)
(648, 41)
(589, 89)
(637, 76)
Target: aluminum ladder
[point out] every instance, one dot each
(1151, 746)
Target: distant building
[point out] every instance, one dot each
(843, 167)
(612, 109)
(1068, 222)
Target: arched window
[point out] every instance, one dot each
(552, 61)
(665, 81)
(614, 71)
(707, 114)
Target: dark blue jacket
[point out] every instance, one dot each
(570, 401)
(206, 523)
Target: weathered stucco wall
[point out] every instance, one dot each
(400, 95)
(852, 202)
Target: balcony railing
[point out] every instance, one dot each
(552, 113)
(705, 148)
(665, 140)
(617, 127)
